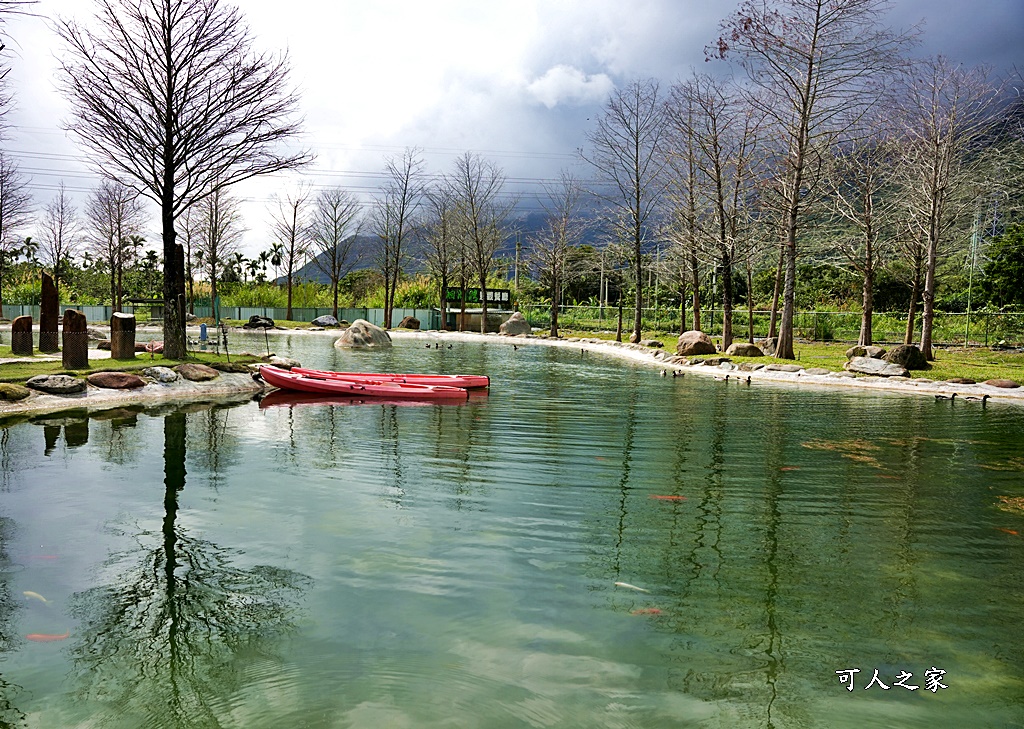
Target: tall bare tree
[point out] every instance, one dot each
(291, 230)
(816, 63)
(394, 220)
(59, 234)
(113, 213)
(219, 229)
(482, 214)
(626, 152)
(442, 250)
(561, 233)
(334, 229)
(170, 98)
(946, 110)
(15, 213)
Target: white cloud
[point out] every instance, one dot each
(568, 85)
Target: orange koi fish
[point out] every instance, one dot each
(1008, 531)
(661, 497)
(646, 611)
(46, 637)
(790, 468)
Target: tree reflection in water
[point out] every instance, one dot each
(168, 634)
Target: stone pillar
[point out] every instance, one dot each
(21, 336)
(122, 336)
(48, 315)
(76, 341)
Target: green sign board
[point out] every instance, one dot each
(501, 298)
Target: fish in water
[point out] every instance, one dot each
(667, 497)
(34, 596)
(646, 611)
(630, 587)
(1008, 531)
(47, 637)
(790, 468)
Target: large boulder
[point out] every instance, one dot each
(56, 384)
(768, 345)
(1005, 384)
(363, 334)
(908, 356)
(515, 325)
(859, 350)
(196, 372)
(324, 321)
(693, 343)
(116, 380)
(409, 322)
(744, 349)
(872, 366)
(9, 391)
(259, 322)
(163, 375)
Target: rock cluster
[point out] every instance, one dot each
(363, 334)
(694, 343)
(515, 325)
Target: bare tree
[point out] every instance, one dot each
(170, 99)
(113, 213)
(442, 250)
(626, 152)
(814, 62)
(946, 111)
(15, 213)
(59, 234)
(482, 214)
(291, 229)
(562, 232)
(334, 230)
(219, 231)
(394, 220)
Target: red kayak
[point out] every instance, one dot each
(305, 382)
(464, 381)
(292, 398)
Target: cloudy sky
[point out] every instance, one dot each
(518, 81)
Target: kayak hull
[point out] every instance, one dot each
(304, 382)
(463, 381)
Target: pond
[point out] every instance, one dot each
(587, 545)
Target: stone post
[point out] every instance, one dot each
(76, 341)
(122, 336)
(49, 312)
(21, 336)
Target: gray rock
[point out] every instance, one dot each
(744, 349)
(693, 343)
(259, 322)
(872, 366)
(728, 366)
(161, 374)
(56, 384)
(409, 322)
(751, 366)
(285, 363)
(783, 367)
(651, 343)
(816, 371)
(768, 345)
(325, 321)
(516, 324)
(847, 375)
(196, 372)
(907, 356)
(865, 351)
(363, 334)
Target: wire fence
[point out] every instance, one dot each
(980, 328)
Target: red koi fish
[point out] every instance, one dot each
(646, 611)
(46, 637)
(790, 468)
(1008, 531)
(661, 497)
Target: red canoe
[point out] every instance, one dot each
(292, 398)
(304, 382)
(464, 381)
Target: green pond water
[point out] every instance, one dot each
(369, 565)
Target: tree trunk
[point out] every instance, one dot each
(638, 313)
(928, 298)
(750, 303)
(726, 302)
(682, 308)
(556, 294)
(695, 272)
(915, 292)
(867, 303)
(174, 283)
(773, 321)
(618, 328)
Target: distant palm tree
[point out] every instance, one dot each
(276, 256)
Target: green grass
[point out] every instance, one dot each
(18, 372)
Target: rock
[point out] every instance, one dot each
(189, 316)
(56, 384)
(751, 366)
(847, 375)
(694, 342)
(907, 356)
(409, 322)
(872, 366)
(21, 335)
(116, 380)
(768, 345)
(961, 381)
(515, 325)
(652, 343)
(10, 392)
(363, 334)
(104, 344)
(259, 322)
(324, 321)
(727, 366)
(285, 363)
(162, 375)
(783, 367)
(49, 311)
(715, 361)
(744, 349)
(95, 335)
(231, 367)
(196, 372)
(865, 351)
(816, 371)
(75, 352)
(1005, 384)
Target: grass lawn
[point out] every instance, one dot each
(18, 372)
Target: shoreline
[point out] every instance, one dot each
(239, 385)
